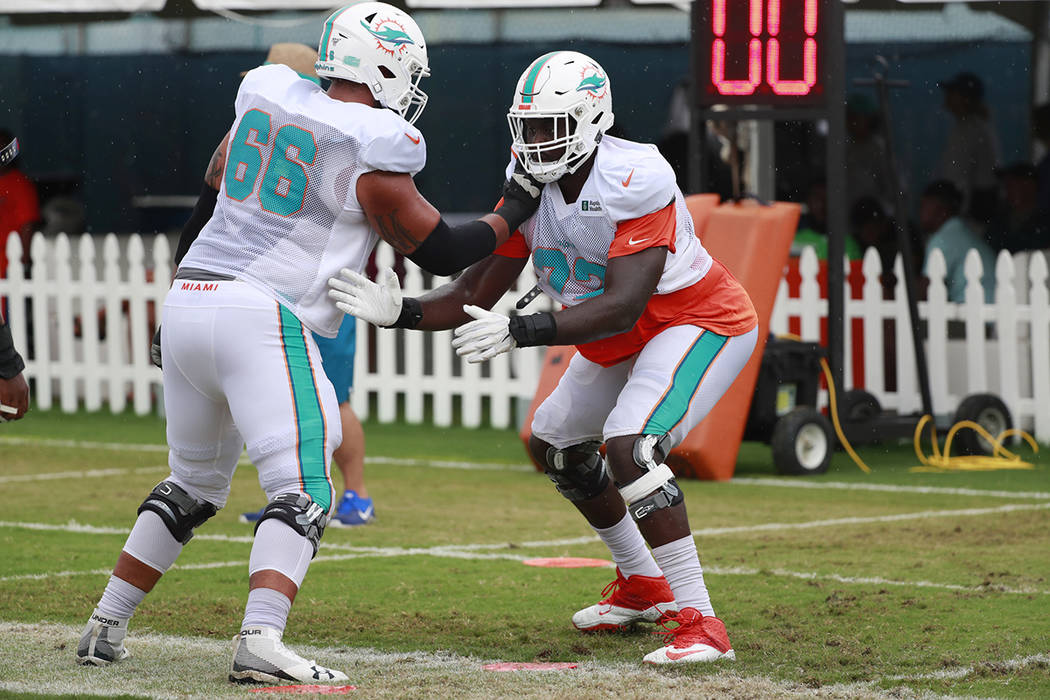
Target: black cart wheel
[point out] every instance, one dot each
(988, 411)
(857, 406)
(802, 442)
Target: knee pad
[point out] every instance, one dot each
(577, 481)
(180, 511)
(299, 512)
(656, 488)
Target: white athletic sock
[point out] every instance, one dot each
(681, 565)
(628, 549)
(120, 599)
(152, 543)
(266, 608)
(280, 548)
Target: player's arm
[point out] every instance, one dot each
(630, 281)
(14, 391)
(481, 285)
(381, 303)
(407, 221)
(205, 206)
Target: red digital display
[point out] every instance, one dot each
(760, 51)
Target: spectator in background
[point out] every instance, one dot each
(14, 391)
(866, 173)
(19, 204)
(813, 225)
(1018, 225)
(674, 147)
(1041, 131)
(971, 152)
(939, 218)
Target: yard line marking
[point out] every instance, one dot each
(499, 466)
(957, 673)
(80, 474)
(945, 490)
(451, 553)
(73, 526)
(84, 444)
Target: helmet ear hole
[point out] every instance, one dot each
(386, 72)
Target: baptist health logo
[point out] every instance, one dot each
(590, 205)
(389, 32)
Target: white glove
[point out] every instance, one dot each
(484, 338)
(356, 295)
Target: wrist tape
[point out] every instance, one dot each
(411, 314)
(533, 329)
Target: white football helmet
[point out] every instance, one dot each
(573, 90)
(379, 46)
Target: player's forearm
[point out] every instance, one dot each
(11, 363)
(595, 319)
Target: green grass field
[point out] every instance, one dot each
(889, 584)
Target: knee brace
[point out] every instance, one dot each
(180, 511)
(577, 481)
(299, 512)
(656, 488)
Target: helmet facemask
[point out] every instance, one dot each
(571, 90)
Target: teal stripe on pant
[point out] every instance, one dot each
(309, 417)
(684, 383)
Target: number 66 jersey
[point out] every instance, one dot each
(629, 202)
(287, 216)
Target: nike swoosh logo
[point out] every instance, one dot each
(675, 656)
(626, 182)
(412, 138)
(631, 241)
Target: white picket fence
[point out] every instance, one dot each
(416, 376)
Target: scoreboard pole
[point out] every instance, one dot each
(838, 217)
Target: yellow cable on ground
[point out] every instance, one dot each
(1001, 457)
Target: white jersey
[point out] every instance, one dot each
(570, 243)
(287, 216)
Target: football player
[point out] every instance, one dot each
(309, 180)
(662, 330)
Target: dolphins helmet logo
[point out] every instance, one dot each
(593, 82)
(390, 36)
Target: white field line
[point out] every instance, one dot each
(473, 551)
(1041, 660)
(847, 486)
(39, 659)
(497, 466)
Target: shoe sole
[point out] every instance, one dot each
(95, 661)
(612, 627)
(727, 656)
(256, 678)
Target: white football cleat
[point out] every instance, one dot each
(259, 656)
(102, 641)
(630, 600)
(696, 639)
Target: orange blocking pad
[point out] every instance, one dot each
(753, 241)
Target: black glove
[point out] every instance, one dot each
(521, 197)
(154, 348)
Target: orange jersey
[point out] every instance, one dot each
(629, 203)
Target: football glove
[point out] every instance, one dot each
(358, 296)
(484, 338)
(521, 197)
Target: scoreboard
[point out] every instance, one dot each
(762, 52)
